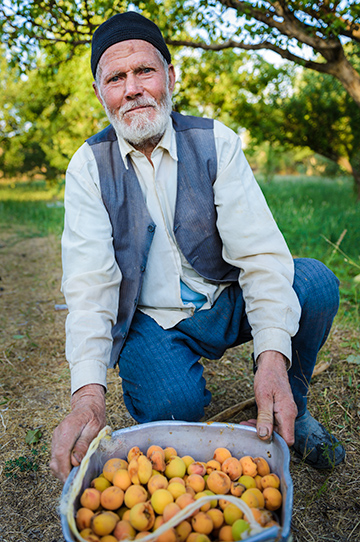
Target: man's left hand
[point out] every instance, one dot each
(276, 406)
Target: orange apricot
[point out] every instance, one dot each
(270, 480)
(232, 467)
(112, 465)
(122, 479)
(273, 498)
(218, 482)
(248, 466)
(112, 498)
(103, 523)
(262, 466)
(220, 454)
(142, 516)
(202, 523)
(90, 498)
(83, 518)
(124, 530)
(135, 494)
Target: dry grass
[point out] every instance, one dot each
(34, 394)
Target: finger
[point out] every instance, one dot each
(249, 423)
(89, 432)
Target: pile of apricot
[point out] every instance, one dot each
(133, 497)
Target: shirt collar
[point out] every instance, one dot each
(167, 142)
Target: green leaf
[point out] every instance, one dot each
(353, 358)
(32, 437)
(18, 336)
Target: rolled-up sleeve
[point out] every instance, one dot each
(91, 276)
(253, 243)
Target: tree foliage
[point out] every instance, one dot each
(311, 34)
(43, 121)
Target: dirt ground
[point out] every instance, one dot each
(34, 398)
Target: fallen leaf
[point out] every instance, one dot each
(32, 437)
(353, 359)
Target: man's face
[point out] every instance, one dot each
(135, 89)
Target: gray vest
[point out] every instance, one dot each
(133, 229)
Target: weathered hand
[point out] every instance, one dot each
(276, 406)
(72, 437)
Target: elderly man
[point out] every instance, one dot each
(170, 253)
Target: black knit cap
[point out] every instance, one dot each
(123, 27)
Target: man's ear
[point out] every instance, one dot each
(172, 78)
(96, 90)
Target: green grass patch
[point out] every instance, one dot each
(31, 208)
(314, 217)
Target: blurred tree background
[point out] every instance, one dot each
(297, 107)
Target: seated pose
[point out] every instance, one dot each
(170, 254)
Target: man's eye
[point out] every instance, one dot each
(147, 70)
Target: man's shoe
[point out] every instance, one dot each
(315, 445)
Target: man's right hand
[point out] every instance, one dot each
(73, 436)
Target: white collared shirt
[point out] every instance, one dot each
(251, 241)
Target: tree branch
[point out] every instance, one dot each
(230, 44)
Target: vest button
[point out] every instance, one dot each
(151, 227)
(142, 268)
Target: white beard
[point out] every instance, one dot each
(141, 130)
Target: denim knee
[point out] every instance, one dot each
(316, 287)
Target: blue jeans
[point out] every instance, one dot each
(160, 370)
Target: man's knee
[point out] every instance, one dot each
(316, 286)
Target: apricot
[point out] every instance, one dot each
(183, 530)
(258, 481)
(184, 500)
(251, 500)
(262, 466)
(259, 495)
(112, 498)
(86, 532)
(213, 503)
(134, 495)
(232, 467)
(202, 523)
(108, 538)
(90, 536)
(83, 517)
(90, 498)
(175, 466)
(142, 516)
(121, 511)
(239, 528)
(170, 511)
(112, 465)
(159, 520)
(176, 489)
(126, 515)
(122, 479)
(219, 482)
(247, 481)
(217, 517)
(133, 452)
(273, 498)
(100, 483)
(187, 460)
(206, 506)
(178, 480)
(169, 452)
(212, 465)
(261, 516)
(197, 467)
(154, 448)
(197, 537)
(103, 523)
(248, 466)
(220, 454)
(157, 481)
(124, 530)
(159, 499)
(196, 481)
(232, 513)
(225, 533)
(157, 460)
(167, 536)
(140, 469)
(237, 489)
(142, 534)
(270, 480)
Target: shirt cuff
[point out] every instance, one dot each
(273, 339)
(87, 372)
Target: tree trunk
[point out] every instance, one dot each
(348, 77)
(356, 174)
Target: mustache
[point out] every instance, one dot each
(138, 102)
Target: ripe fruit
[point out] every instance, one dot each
(112, 465)
(248, 466)
(202, 523)
(238, 528)
(273, 498)
(112, 498)
(159, 499)
(232, 467)
(83, 517)
(103, 523)
(135, 494)
(90, 498)
(221, 454)
(142, 516)
(175, 466)
(219, 482)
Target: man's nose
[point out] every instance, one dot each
(134, 87)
